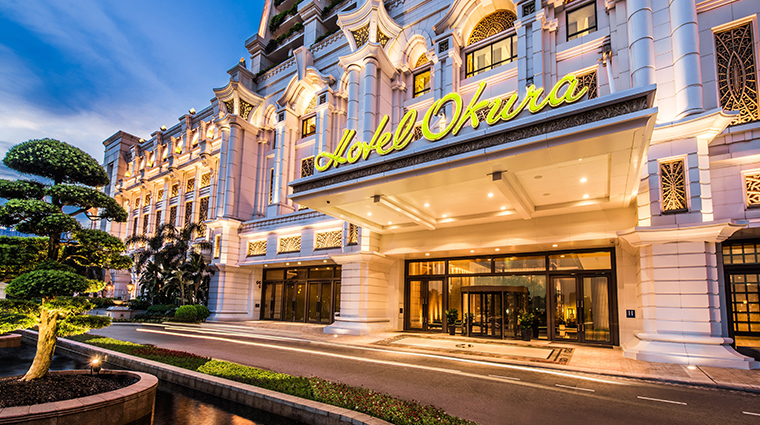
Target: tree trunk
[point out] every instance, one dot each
(45, 346)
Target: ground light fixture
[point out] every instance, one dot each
(95, 366)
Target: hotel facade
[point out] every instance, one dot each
(374, 164)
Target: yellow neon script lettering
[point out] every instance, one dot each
(499, 110)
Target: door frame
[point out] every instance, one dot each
(424, 289)
(611, 301)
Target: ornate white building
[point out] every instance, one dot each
(595, 162)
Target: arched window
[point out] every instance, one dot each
(421, 78)
(497, 53)
(309, 122)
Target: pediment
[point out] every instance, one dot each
(370, 23)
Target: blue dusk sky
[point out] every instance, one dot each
(81, 70)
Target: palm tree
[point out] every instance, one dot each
(199, 274)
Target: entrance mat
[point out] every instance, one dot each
(499, 350)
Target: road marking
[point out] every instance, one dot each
(751, 413)
(661, 400)
(454, 359)
(504, 377)
(573, 388)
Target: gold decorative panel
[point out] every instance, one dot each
(737, 72)
(245, 109)
(422, 60)
(160, 195)
(331, 239)
(497, 22)
(752, 183)
(217, 246)
(310, 107)
(147, 198)
(205, 180)
(289, 244)
(361, 36)
(673, 186)
(137, 203)
(202, 215)
(230, 104)
(175, 190)
(146, 221)
(382, 38)
(307, 167)
(257, 248)
(173, 215)
(353, 234)
(188, 212)
(588, 80)
(190, 185)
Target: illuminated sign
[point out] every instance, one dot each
(499, 110)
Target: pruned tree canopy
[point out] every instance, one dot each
(19, 255)
(57, 161)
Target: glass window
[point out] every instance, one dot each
(427, 267)
(581, 21)
(309, 126)
(295, 274)
(472, 265)
(422, 83)
(517, 264)
(274, 274)
(741, 254)
(321, 273)
(581, 261)
(491, 56)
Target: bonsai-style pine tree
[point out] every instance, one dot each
(43, 294)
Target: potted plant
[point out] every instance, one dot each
(452, 315)
(525, 321)
(470, 317)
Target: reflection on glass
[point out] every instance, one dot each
(313, 301)
(565, 318)
(309, 126)
(581, 261)
(581, 21)
(266, 295)
(324, 316)
(421, 83)
(415, 304)
(427, 267)
(277, 302)
(520, 264)
(435, 305)
(300, 301)
(596, 309)
(290, 290)
(491, 56)
(320, 273)
(473, 265)
(277, 274)
(296, 274)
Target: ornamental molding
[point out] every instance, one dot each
(705, 126)
(239, 100)
(372, 21)
(458, 14)
(699, 232)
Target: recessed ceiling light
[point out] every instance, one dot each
(427, 254)
(585, 196)
(561, 256)
(427, 205)
(265, 265)
(583, 180)
(324, 261)
(444, 216)
(538, 177)
(472, 250)
(497, 249)
(390, 222)
(490, 195)
(580, 159)
(369, 213)
(287, 264)
(299, 262)
(555, 245)
(503, 208)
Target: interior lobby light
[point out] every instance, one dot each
(369, 213)
(503, 208)
(583, 180)
(490, 195)
(324, 261)
(287, 264)
(497, 249)
(444, 216)
(299, 262)
(555, 245)
(265, 265)
(585, 196)
(427, 205)
(390, 222)
(427, 254)
(472, 250)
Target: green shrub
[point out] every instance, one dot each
(102, 302)
(161, 310)
(187, 313)
(203, 312)
(139, 304)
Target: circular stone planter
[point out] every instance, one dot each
(126, 405)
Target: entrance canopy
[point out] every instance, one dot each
(580, 157)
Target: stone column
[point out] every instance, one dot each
(364, 294)
(222, 172)
(684, 38)
(232, 170)
(369, 103)
(353, 97)
(324, 128)
(680, 297)
(641, 42)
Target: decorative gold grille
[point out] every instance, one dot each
(160, 195)
(290, 244)
(147, 198)
(737, 72)
(331, 239)
(482, 114)
(202, 215)
(217, 246)
(188, 212)
(175, 190)
(173, 215)
(146, 221)
(497, 22)
(134, 227)
(382, 38)
(271, 184)
(190, 185)
(588, 80)
(310, 107)
(137, 203)
(307, 167)
(353, 234)
(752, 183)
(245, 109)
(673, 186)
(257, 248)
(417, 132)
(361, 35)
(422, 60)
(230, 104)
(158, 219)
(205, 180)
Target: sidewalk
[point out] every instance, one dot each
(584, 359)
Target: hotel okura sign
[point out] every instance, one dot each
(499, 110)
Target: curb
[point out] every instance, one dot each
(302, 410)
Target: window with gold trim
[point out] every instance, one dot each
(190, 185)
(752, 184)
(307, 167)
(173, 215)
(422, 60)
(160, 195)
(146, 221)
(205, 180)
(737, 72)
(353, 234)
(361, 35)
(331, 239)
(271, 185)
(202, 216)
(309, 126)
(581, 21)
(673, 181)
(421, 83)
(289, 244)
(158, 219)
(257, 248)
(175, 190)
(497, 22)
(147, 198)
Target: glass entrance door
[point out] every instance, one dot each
(295, 301)
(319, 302)
(426, 305)
(487, 314)
(581, 308)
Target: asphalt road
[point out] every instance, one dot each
(481, 391)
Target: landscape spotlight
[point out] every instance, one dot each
(95, 366)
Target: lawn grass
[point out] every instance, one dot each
(379, 405)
